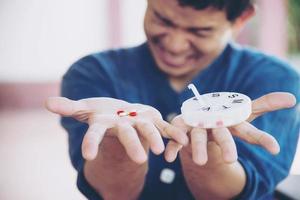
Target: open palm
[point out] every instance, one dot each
(223, 137)
(103, 117)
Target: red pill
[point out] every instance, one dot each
(120, 111)
(132, 114)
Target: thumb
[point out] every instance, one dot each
(271, 102)
(64, 106)
(179, 123)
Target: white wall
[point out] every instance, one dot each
(133, 12)
(39, 39)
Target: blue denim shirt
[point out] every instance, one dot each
(132, 75)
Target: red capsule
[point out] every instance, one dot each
(120, 111)
(132, 114)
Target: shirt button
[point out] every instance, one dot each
(171, 116)
(167, 176)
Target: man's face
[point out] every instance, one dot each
(184, 40)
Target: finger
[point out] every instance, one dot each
(130, 140)
(253, 135)
(199, 145)
(173, 147)
(151, 134)
(170, 131)
(179, 123)
(271, 102)
(224, 139)
(109, 120)
(92, 139)
(65, 106)
(172, 150)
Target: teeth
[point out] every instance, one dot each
(175, 60)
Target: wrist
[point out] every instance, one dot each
(214, 180)
(110, 171)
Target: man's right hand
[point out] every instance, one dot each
(103, 119)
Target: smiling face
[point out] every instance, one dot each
(183, 40)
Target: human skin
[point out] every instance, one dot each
(210, 163)
(183, 41)
(115, 148)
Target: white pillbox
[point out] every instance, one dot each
(215, 110)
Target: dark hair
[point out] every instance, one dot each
(233, 8)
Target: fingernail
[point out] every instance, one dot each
(169, 158)
(89, 155)
(140, 158)
(158, 150)
(275, 149)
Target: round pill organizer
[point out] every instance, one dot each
(215, 110)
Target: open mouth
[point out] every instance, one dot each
(172, 60)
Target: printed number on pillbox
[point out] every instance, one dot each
(215, 110)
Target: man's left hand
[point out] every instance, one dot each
(223, 137)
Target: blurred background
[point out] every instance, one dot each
(40, 39)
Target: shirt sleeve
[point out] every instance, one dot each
(84, 79)
(264, 170)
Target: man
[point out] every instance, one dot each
(135, 90)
